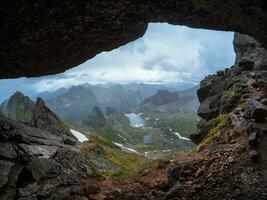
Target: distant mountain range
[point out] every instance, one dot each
(102, 111)
(76, 103)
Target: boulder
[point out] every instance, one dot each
(181, 171)
(246, 64)
(209, 108)
(203, 130)
(255, 110)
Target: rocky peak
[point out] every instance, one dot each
(161, 97)
(110, 111)
(247, 48)
(242, 84)
(96, 119)
(44, 119)
(18, 107)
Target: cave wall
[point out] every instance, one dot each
(47, 37)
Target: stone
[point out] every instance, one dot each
(255, 110)
(43, 118)
(174, 191)
(181, 171)
(252, 140)
(5, 169)
(203, 129)
(254, 156)
(262, 65)
(96, 119)
(209, 108)
(264, 102)
(246, 64)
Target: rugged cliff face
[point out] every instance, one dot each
(44, 37)
(18, 107)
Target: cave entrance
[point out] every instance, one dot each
(141, 96)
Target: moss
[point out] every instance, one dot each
(219, 122)
(118, 174)
(98, 175)
(126, 164)
(230, 92)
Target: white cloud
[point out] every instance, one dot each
(166, 53)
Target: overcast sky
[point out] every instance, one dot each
(165, 54)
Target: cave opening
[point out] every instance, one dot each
(141, 96)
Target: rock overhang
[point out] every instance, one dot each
(49, 37)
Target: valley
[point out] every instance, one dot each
(124, 114)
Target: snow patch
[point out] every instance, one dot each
(80, 137)
(181, 137)
(127, 149)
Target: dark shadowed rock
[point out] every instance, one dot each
(110, 111)
(181, 171)
(255, 110)
(246, 64)
(203, 130)
(84, 29)
(96, 119)
(43, 118)
(209, 108)
(161, 97)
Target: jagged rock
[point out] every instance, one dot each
(252, 140)
(18, 107)
(96, 119)
(43, 118)
(228, 102)
(209, 108)
(210, 86)
(246, 64)
(203, 127)
(161, 97)
(174, 191)
(89, 28)
(255, 110)
(264, 102)
(262, 66)
(182, 171)
(254, 156)
(40, 165)
(110, 111)
(74, 104)
(5, 169)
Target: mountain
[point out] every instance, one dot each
(75, 104)
(96, 119)
(146, 90)
(161, 97)
(43, 118)
(117, 96)
(50, 95)
(18, 107)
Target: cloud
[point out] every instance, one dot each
(165, 54)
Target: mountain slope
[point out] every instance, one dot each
(18, 107)
(75, 104)
(161, 97)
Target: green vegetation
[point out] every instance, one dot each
(230, 92)
(219, 122)
(126, 164)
